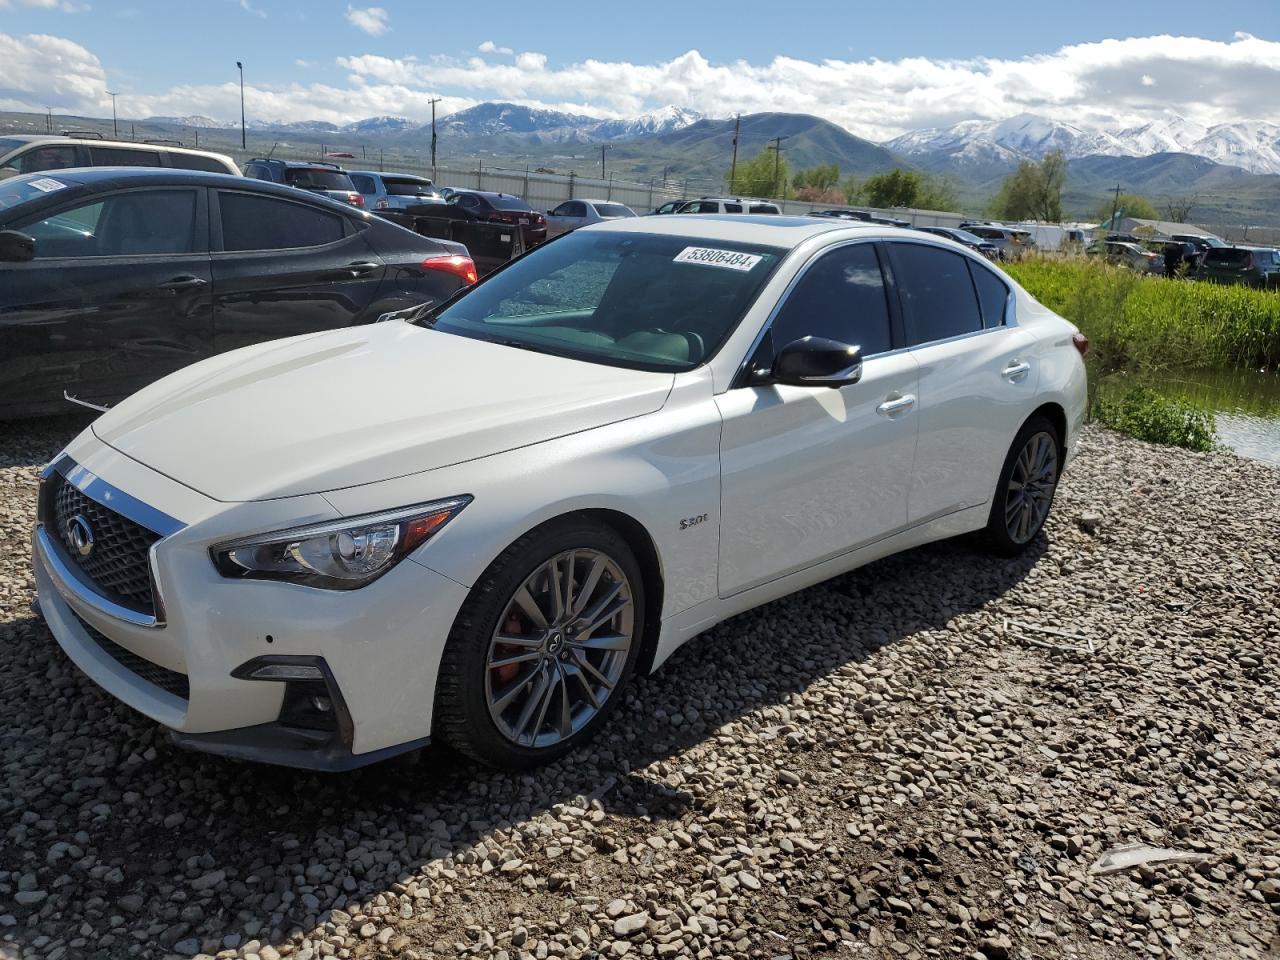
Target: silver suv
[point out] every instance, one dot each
(728, 205)
(35, 153)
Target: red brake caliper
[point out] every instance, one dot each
(505, 675)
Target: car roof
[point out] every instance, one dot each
(388, 173)
(771, 230)
(53, 139)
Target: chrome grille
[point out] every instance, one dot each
(162, 677)
(119, 563)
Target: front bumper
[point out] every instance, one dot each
(380, 645)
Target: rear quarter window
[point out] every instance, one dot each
(193, 161)
(937, 292)
(124, 157)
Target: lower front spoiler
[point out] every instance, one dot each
(284, 746)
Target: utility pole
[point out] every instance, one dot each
(244, 141)
(115, 129)
(777, 157)
(603, 148)
(733, 164)
(433, 103)
(1115, 207)
(48, 120)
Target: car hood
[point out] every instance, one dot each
(362, 404)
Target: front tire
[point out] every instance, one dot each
(1025, 490)
(543, 646)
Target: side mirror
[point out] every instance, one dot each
(7, 172)
(817, 362)
(16, 247)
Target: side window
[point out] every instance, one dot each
(993, 295)
(763, 208)
(937, 292)
(266, 223)
(563, 209)
(123, 157)
(364, 184)
(579, 209)
(193, 161)
(57, 157)
(733, 208)
(123, 225)
(840, 297)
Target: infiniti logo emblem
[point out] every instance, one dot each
(80, 534)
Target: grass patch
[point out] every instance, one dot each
(1135, 321)
(1144, 414)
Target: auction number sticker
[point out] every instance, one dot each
(729, 259)
(47, 184)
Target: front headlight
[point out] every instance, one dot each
(340, 555)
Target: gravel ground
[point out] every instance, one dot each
(923, 758)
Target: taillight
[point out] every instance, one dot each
(355, 199)
(539, 218)
(1080, 342)
(455, 263)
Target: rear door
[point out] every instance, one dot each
(977, 375)
(283, 267)
(118, 295)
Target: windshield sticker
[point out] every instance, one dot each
(47, 184)
(729, 259)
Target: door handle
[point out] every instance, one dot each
(362, 268)
(183, 283)
(1016, 371)
(896, 405)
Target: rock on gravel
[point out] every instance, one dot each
(924, 758)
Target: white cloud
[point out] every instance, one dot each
(304, 64)
(1148, 80)
(66, 6)
(372, 20)
(1206, 81)
(247, 7)
(490, 47)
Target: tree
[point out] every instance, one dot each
(1129, 205)
(758, 177)
(936, 194)
(821, 178)
(897, 188)
(1034, 190)
(1179, 209)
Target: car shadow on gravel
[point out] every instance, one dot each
(25, 443)
(109, 818)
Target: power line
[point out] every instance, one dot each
(433, 103)
(777, 157)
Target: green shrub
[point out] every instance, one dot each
(1149, 322)
(1144, 414)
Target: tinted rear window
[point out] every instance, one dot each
(508, 203)
(993, 294)
(936, 291)
(318, 179)
(405, 187)
(763, 208)
(1227, 256)
(265, 223)
(193, 161)
(123, 157)
(614, 210)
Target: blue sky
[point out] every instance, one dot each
(878, 68)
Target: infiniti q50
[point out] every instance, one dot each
(478, 526)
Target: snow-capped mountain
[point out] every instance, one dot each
(554, 126)
(1255, 146)
(196, 120)
(386, 124)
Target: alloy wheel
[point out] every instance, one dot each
(1031, 486)
(560, 648)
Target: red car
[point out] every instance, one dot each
(502, 208)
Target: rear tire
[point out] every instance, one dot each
(543, 646)
(1024, 493)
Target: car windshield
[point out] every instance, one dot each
(10, 143)
(16, 190)
(964, 236)
(641, 301)
(313, 178)
(504, 202)
(614, 210)
(407, 187)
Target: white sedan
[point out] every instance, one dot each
(573, 214)
(477, 527)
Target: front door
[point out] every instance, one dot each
(287, 267)
(810, 473)
(118, 295)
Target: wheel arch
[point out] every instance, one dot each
(1055, 414)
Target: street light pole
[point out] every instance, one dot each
(244, 145)
(603, 148)
(115, 129)
(777, 156)
(433, 102)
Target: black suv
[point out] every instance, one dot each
(314, 175)
(114, 277)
